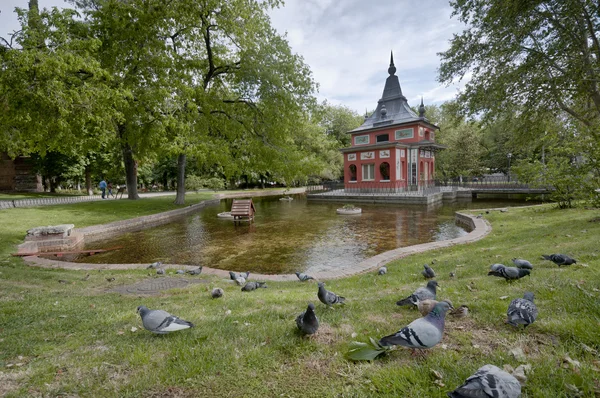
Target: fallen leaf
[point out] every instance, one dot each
(20, 357)
(518, 354)
(437, 375)
(62, 316)
(567, 360)
(353, 335)
(439, 383)
(503, 297)
(133, 329)
(444, 346)
(228, 312)
(476, 346)
(585, 347)
(120, 332)
(247, 324)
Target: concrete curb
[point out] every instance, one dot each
(479, 229)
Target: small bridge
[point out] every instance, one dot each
(490, 184)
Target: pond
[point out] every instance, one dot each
(287, 236)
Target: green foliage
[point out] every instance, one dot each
(360, 351)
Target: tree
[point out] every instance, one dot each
(337, 120)
(540, 55)
(53, 92)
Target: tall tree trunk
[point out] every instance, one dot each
(130, 172)
(180, 198)
(88, 180)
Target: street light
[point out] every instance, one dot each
(509, 155)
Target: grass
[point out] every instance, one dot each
(76, 339)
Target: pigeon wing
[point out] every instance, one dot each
(420, 333)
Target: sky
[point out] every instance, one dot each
(347, 45)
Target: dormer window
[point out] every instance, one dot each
(383, 138)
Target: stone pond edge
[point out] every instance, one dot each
(479, 229)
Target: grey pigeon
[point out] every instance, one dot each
(522, 311)
(421, 333)
(217, 292)
(510, 273)
(248, 287)
(496, 267)
(329, 298)
(382, 270)
(428, 272)
(307, 322)
(196, 271)
(422, 293)
(245, 275)
(232, 275)
(488, 381)
(180, 271)
(560, 259)
(303, 277)
(519, 262)
(240, 281)
(161, 322)
(160, 271)
(155, 265)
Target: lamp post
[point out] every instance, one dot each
(509, 155)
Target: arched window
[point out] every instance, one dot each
(352, 169)
(384, 170)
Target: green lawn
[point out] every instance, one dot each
(75, 339)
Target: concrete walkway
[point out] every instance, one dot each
(480, 228)
(61, 200)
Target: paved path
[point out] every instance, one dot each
(480, 229)
(60, 200)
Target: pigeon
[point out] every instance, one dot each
(161, 322)
(86, 277)
(233, 276)
(217, 292)
(489, 381)
(510, 273)
(522, 311)
(303, 277)
(422, 293)
(248, 287)
(329, 298)
(559, 259)
(240, 281)
(180, 271)
(155, 265)
(111, 279)
(428, 272)
(460, 312)
(196, 271)
(307, 322)
(160, 271)
(382, 271)
(452, 275)
(519, 262)
(421, 333)
(496, 267)
(426, 306)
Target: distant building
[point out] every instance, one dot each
(394, 149)
(18, 175)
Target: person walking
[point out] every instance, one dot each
(110, 187)
(102, 186)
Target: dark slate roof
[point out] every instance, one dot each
(392, 108)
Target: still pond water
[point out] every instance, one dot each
(287, 236)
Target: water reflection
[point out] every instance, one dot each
(285, 237)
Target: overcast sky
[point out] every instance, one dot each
(347, 45)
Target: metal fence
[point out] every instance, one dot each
(491, 182)
(399, 188)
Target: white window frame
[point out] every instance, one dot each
(365, 172)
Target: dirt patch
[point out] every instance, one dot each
(325, 335)
(155, 286)
(10, 382)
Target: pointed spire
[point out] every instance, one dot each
(366, 114)
(392, 68)
(421, 109)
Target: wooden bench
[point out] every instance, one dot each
(243, 210)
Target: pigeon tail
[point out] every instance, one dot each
(410, 300)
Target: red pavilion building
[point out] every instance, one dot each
(394, 149)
